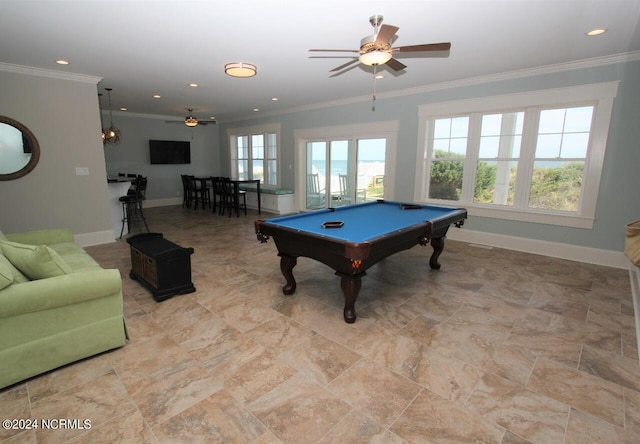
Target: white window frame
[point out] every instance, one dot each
(249, 131)
(378, 130)
(601, 95)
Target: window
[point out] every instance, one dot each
(498, 155)
(449, 152)
(533, 157)
(560, 158)
(254, 154)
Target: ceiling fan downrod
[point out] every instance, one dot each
(376, 21)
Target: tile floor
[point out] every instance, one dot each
(496, 347)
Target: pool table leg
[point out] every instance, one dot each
(350, 287)
(438, 247)
(286, 266)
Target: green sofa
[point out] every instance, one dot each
(57, 305)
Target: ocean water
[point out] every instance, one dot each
(365, 170)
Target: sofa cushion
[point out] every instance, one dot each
(17, 274)
(35, 261)
(6, 276)
(2, 236)
(75, 257)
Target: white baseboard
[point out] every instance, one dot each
(152, 203)
(588, 255)
(95, 238)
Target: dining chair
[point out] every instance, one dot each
(233, 197)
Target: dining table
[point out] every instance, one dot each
(204, 183)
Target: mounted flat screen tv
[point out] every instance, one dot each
(169, 151)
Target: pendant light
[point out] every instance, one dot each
(112, 134)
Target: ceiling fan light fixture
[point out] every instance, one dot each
(239, 69)
(375, 58)
(190, 121)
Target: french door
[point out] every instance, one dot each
(343, 172)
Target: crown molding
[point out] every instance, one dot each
(50, 73)
(522, 73)
(142, 115)
(471, 81)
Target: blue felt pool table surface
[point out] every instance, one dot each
(362, 222)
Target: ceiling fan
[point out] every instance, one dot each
(191, 121)
(376, 49)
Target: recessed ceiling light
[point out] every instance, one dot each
(255, 110)
(379, 76)
(193, 85)
(123, 109)
(275, 99)
(596, 31)
(156, 96)
(62, 62)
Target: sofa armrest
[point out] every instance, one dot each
(44, 294)
(42, 237)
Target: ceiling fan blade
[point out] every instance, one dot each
(345, 70)
(396, 65)
(334, 50)
(385, 34)
(446, 46)
(350, 62)
(200, 122)
(332, 57)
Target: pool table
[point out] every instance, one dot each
(350, 239)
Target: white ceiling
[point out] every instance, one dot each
(146, 47)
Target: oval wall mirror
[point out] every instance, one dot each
(19, 149)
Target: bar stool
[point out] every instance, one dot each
(132, 206)
(186, 191)
(218, 198)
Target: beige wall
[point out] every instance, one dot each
(64, 116)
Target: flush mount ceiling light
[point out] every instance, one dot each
(239, 69)
(596, 31)
(375, 58)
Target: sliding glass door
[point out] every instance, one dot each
(370, 170)
(343, 172)
(316, 175)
